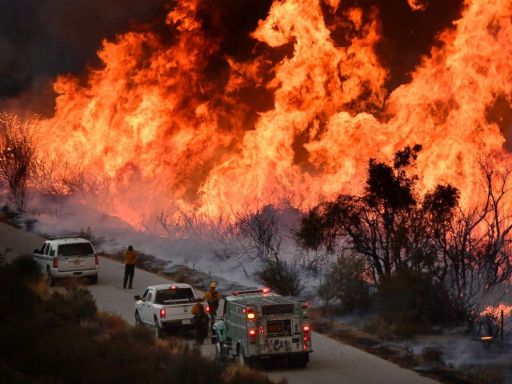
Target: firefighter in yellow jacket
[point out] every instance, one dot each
(212, 297)
(200, 321)
(130, 257)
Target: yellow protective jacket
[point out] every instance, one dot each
(130, 257)
(212, 296)
(197, 308)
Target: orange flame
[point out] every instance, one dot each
(165, 136)
(495, 312)
(417, 5)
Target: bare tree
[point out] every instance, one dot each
(259, 235)
(17, 155)
(261, 238)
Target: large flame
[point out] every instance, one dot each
(165, 132)
(496, 311)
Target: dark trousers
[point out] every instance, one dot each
(129, 271)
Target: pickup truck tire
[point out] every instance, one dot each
(51, 279)
(94, 279)
(138, 321)
(158, 330)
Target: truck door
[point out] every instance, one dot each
(46, 254)
(225, 316)
(147, 310)
(39, 257)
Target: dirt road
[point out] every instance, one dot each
(331, 361)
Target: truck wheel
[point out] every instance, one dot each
(220, 354)
(242, 360)
(51, 279)
(158, 330)
(138, 321)
(94, 279)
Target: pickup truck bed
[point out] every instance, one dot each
(165, 306)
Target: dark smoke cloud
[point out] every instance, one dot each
(44, 38)
(40, 39)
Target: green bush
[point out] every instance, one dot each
(411, 302)
(345, 284)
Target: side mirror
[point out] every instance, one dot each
(137, 297)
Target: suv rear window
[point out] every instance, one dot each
(77, 249)
(167, 296)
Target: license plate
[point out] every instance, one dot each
(185, 321)
(76, 262)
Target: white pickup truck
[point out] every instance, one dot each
(165, 306)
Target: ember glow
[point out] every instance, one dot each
(166, 133)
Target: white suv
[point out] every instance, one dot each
(67, 257)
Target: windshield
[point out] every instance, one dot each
(174, 295)
(77, 249)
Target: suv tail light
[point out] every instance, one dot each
(306, 333)
(207, 309)
(55, 262)
(162, 313)
(252, 335)
(96, 259)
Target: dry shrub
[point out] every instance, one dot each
(111, 323)
(380, 328)
(432, 356)
(488, 376)
(182, 275)
(17, 157)
(282, 277)
(40, 288)
(236, 374)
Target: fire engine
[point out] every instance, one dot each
(257, 324)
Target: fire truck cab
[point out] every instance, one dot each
(257, 324)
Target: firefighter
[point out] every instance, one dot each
(200, 321)
(130, 257)
(212, 297)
